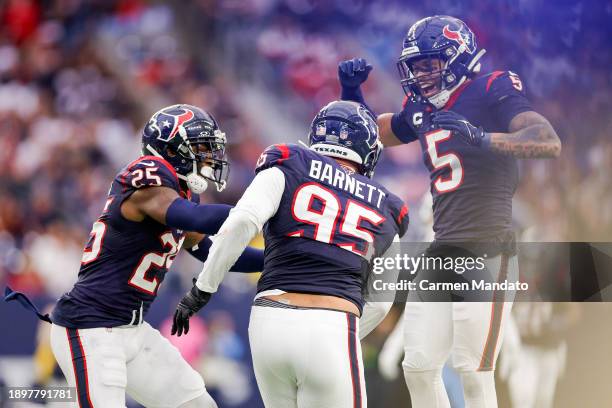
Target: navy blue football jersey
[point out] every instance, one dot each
(330, 223)
(124, 262)
(472, 188)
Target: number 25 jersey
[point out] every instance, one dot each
(329, 224)
(124, 262)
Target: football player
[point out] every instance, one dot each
(471, 128)
(98, 335)
(323, 220)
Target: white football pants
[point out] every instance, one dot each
(308, 358)
(105, 363)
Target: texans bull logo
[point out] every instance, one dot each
(464, 40)
(169, 123)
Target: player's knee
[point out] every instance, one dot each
(203, 401)
(415, 360)
(420, 381)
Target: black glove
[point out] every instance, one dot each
(354, 72)
(475, 136)
(190, 304)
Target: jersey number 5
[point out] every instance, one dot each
(325, 218)
(440, 161)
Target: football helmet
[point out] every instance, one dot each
(190, 140)
(347, 130)
(445, 51)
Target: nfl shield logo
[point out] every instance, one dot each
(321, 129)
(344, 133)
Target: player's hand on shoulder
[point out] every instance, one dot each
(352, 73)
(449, 120)
(190, 304)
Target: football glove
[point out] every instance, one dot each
(472, 135)
(352, 73)
(415, 117)
(190, 304)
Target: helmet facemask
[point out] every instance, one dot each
(207, 154)
(428, 75)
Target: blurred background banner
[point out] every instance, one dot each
(79, 79)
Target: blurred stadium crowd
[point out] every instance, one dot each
(78, 79)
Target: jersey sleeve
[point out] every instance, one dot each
(149, 171)
(272, 156)
(506, 94)
(400, 214)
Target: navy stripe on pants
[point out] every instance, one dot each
(353, 358)
(79, 364)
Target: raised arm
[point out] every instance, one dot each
(393, 129)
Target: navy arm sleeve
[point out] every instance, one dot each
(203, 218)
(251, 260)
(355, 95)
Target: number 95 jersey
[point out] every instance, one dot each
(329, 224)
(124, 262)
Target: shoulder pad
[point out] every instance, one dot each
(149, 171)
(273, 155)
(501, 84)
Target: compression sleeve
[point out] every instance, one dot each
(354, 94)
(203, 218)
(251, 259)
(258, 204)
(375, 311)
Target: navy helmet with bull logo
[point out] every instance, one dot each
(190, 140)
(347, 130)
(449, 46)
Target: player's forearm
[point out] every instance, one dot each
(233, 237)
(531, 137)
(534, 142)
(189, 216)
(373, 314)
(375, 310)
